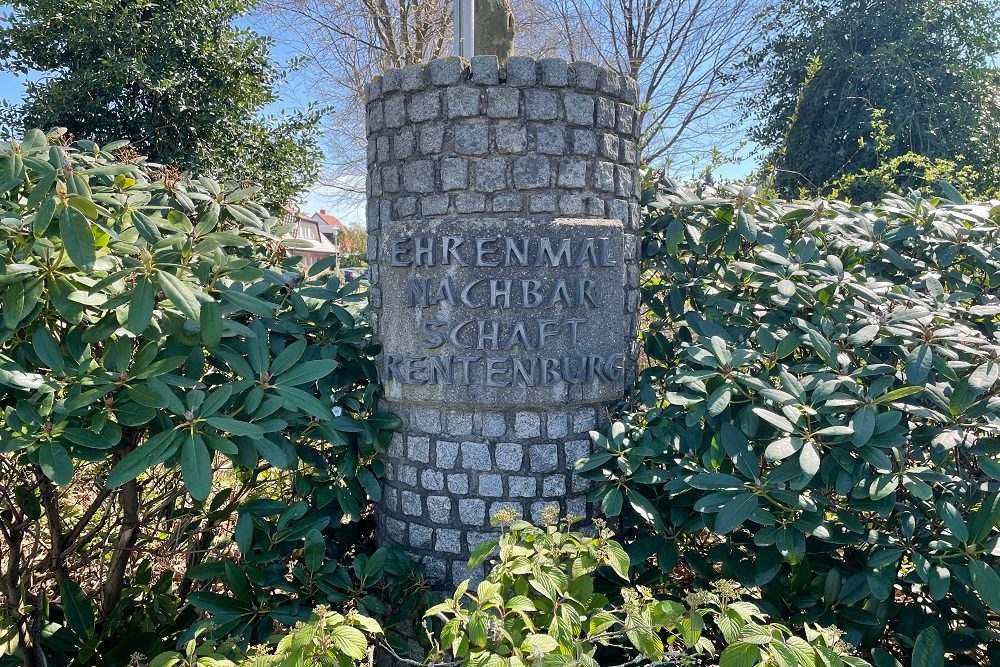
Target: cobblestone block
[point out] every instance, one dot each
(454, 173)
(396, 530)
(472, 139)
(507, 202)
(494, 423)
(404, 207)
(406, 474)
(554, 72)
(509, 455)
(571, 205)
(531, 171)
(458, 422)
(395, 112)
(414, 77)
(470, 202)
(447, 454)
(447, 71)
(491, 485)
(418, 448)
(584, 142)
(448, 541)
(486, 70)
(583, 75)
(472, 511)
(554, 486)
(476, 456)
(579, 109)
(427, 420)
(511, 138)
(503, 102)
(411, 503)
(458, 484)
(439, 509)
(544, 457)
(522, 487)
(543, 203)
(584, 420)
(434, 204)
(431, 138)
(572, 173)
(521, 72)
(463, 102)
(420, 536)
(540, 105)
(425, 106)
(432, 480)
(491, 174)
(604, 176)
(556, 424)
(550, 140)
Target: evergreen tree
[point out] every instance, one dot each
(178, 78)
(894, 77)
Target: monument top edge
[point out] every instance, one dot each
(529, 223)
(517, 71)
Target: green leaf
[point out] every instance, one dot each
(986, 582)
(918, 364)
(196, 467)
(55, 462)
(76, 607)
(306, 372)
(863, 423)
(741, 654)
(897, 394)
(235, 426)
(182, 295)
(47, 349)
(735, 512)
(719, 400)
(481, 553)
(314, 550)
(928, 650)
(618, 559)
(78, 240)
(155, 450)
(953, 520)
(140, 307)
(211, 324)
(349, 641)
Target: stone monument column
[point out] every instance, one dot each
(502, 209)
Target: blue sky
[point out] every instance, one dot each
(12, 89)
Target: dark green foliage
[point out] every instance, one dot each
(178, 78)
(164, 368)
(306, 537)
(927, 64)
(820, 413)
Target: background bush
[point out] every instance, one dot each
(164, 369)
(819, 413)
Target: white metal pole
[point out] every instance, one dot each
(464, 14)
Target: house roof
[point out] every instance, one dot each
(329, 219)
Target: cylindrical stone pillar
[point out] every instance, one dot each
(502, 209)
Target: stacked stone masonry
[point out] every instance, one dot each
(542, 138)
(454, 140)
(449, 471)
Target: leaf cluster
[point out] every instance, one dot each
(163, 361)
(542, 603)
(819, 412)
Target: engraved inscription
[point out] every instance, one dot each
(505, 315)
